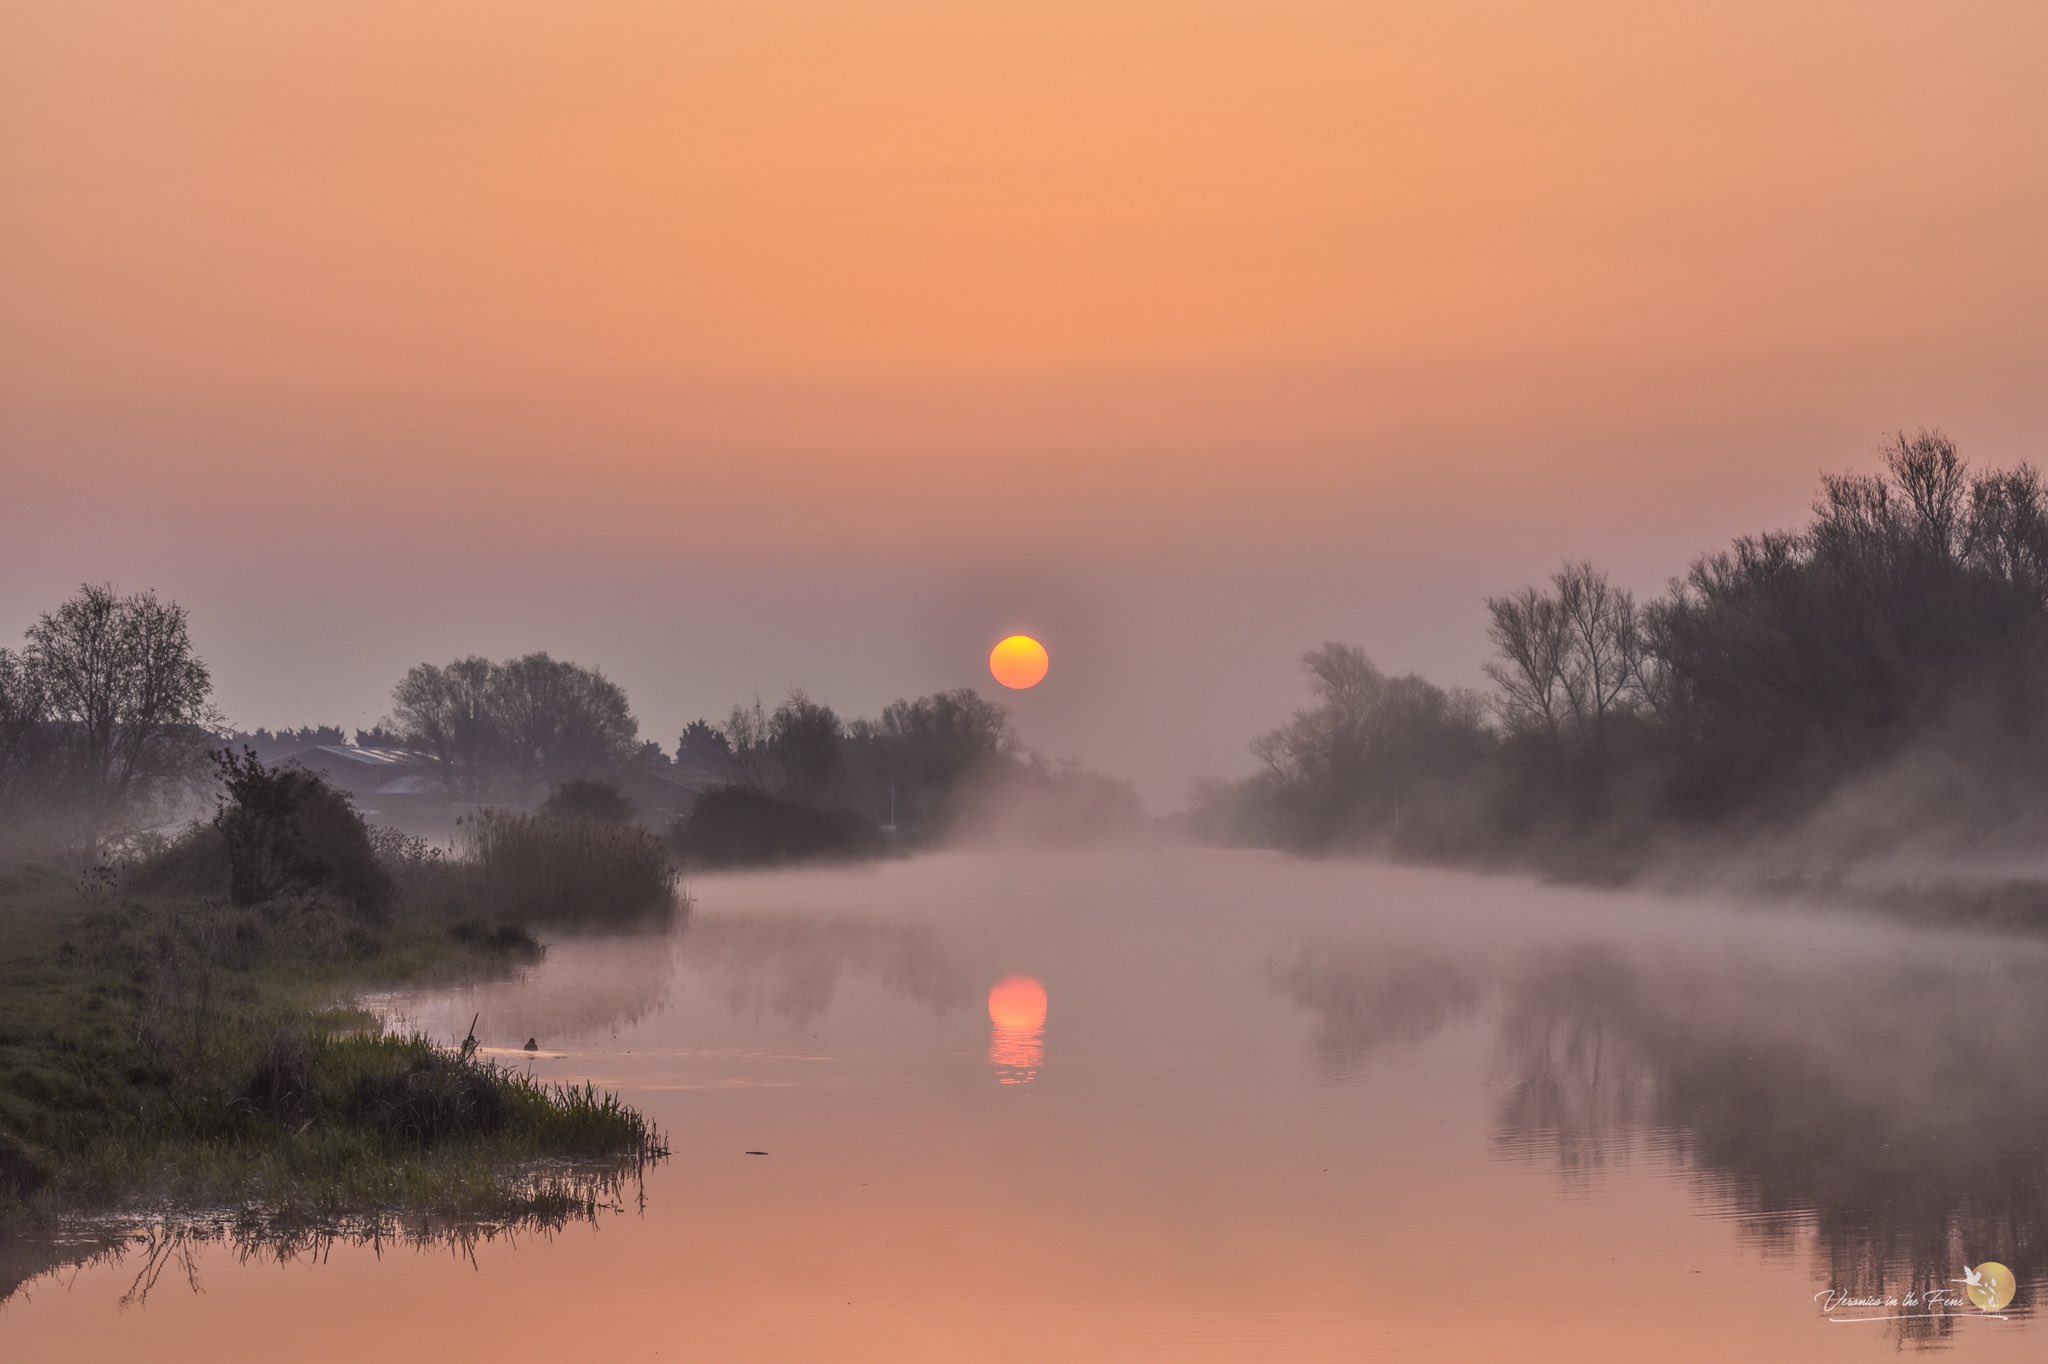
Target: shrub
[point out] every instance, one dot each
(194, 862)
(741, 826)
(599, 802)
(288, 832)
(510, 939)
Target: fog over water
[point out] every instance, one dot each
(1169, 1104)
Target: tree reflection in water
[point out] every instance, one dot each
(789, 966)
(1366, 996)
(1887, 1105)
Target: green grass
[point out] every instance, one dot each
(175, 1052)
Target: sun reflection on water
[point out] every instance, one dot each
(1016, 1013)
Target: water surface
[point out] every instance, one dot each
(1197, 1105)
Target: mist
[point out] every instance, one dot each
(518, 800)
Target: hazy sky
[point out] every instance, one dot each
(740, 345)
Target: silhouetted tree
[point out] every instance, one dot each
(123, 704)
(1913, 600)
(926, 750)
(449, 712)
(804, 743)
(1374, 755)
(596, 801)
(559, 721)
(530, 721)
(703, 747)
(274, 745)
(27, 739)
(1572, 670)
(742, 825)
(746, 736)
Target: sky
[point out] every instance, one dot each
(731, 347)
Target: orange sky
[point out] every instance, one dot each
(732, 345)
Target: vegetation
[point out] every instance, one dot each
(177, 1050)
(284, 831)
(597, 801)
(104, 720)
(804, 785)
(1877, 678)
(274, 746)
(704, 748)
(504, 728)
(168, 1034)
(544, 868)
(741, 826)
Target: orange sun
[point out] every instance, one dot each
(1019, 662)
(1017, 1004)
(1016, 1042)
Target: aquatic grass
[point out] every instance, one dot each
(158, 1055)
(441, 1207)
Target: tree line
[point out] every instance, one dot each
(1896, 644)
(107, 730)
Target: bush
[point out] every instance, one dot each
(596, 801)
(540, 869)
(194, 862)
(510, 939)
(288, 832)
(731, 826)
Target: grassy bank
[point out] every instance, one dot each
(161, 1051)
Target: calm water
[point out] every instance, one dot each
(1214, 1106)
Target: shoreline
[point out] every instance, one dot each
(173, 1061)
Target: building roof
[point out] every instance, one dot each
(363, 758)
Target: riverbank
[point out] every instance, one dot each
(161, 1052)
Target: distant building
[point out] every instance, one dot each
(391, 782)
(404, 787)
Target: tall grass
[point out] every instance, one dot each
(577, 873)
(176, 1052)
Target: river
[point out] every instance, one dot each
(1185, 1105)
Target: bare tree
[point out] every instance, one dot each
(2008, 532)
(126, 700)
(745, 732)
(25, 733)
(1321, 744)
(1604, 657)
(448, 712)
(1534, 639)
(1572, 660)
(1372, 753)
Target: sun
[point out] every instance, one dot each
(1017, 1004)
(1019, 662)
